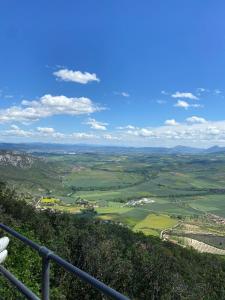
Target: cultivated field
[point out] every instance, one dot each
(182, 188)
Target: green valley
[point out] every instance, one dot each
(145, 192)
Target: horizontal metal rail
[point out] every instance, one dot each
(20, 286)
(47, 256)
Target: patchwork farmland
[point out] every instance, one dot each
(148, 193)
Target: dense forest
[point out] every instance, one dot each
(141, 267)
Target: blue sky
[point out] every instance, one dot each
(140, 73)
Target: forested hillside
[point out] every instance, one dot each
(138, 266)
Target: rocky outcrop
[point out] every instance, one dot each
(16, 159)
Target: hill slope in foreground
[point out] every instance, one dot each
(138, 266)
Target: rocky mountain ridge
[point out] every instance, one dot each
(16, 159)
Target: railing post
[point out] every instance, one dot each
(45, 278)
(45, 273)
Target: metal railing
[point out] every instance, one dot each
(47, 255)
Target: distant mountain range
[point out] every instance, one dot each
(39, 148)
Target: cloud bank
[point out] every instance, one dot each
(48, 106)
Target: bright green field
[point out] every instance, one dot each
(155, 223)
(138, 218)
(49, 200)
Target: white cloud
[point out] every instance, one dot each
(201, 90)
(195, 120)
(187, 95)
(47, 106)
(96, 124)
(17, 132)
(130, 127)
(217, 91)
(124, 94)
(186, 105)
(171, 122)
(183, 104)
(191, 134)
(142, 132)
(110, 137)
(164, 92)
(49, 133)
(126, 127)
(46, 130)
(83, 136)
(40, 132)
(14, 126)
(196, 105)
(76, 76)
